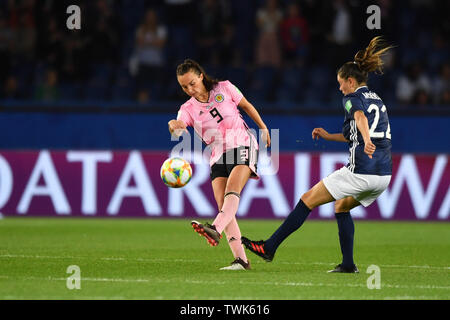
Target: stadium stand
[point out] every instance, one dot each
(97, 64)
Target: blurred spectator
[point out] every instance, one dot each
(6, 43)
(294, 35)
(421, 98)
(441, 85)
(151, 37)
(103, 27)
(268, 18)
(445, 98)
(75, 63)
(209, 30)
(11, 89)
(410, 83)
(342, 24)
(23, 24)
(51, 49)
(104, 34)
(180, 16)
(105, 12)
(388, 25)
(243, 19)
(340, 35)
(143, 97)
(104, 43)
(48, 91)
(439, 52)
(21, 13)
(229, 54)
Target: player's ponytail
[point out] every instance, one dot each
(191, 65)
(365, 61)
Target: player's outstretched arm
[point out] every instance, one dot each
(322, 133)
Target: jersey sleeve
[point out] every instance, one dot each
(184, 116)
(352, 104)
(235, 93)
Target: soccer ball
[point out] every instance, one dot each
(176, 172)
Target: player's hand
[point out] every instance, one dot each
(319, 133)
(369, 148)
(177, 127)
(265, 135)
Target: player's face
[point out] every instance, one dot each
(345, 85)
(192, 84)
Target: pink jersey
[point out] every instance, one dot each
(218, 122)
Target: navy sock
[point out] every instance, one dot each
(346, 234)
(293, 221)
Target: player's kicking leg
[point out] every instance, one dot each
(208, 231)
(258, 248)
(316, 196)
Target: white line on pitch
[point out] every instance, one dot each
(198, 260)
(202, 282)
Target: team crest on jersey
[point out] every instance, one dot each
(348, 105)
(219, 97)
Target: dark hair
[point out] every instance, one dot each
(191, 65)
(365, 61)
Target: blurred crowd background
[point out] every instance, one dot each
(282, 54)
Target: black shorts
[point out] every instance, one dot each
(241, 155)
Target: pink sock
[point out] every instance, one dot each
(233, 234)
(228, 212)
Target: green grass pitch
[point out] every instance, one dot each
(165, 259)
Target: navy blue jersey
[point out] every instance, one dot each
(380, 133)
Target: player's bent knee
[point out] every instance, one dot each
(345, 205)
(317, 196)
(308, 199)
(339, 207)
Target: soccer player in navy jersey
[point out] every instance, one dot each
(368, 172)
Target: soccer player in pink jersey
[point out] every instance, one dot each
(213, 112)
